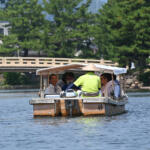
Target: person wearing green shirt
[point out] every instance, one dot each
(89, 83)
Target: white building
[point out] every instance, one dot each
(4, 28)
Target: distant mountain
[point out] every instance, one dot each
(96, 4)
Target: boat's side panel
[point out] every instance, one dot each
(80, 103)
(93, 109)
(102, 109)
(63, 109)
(76, 107)
(70, 107)
(114, 109)
(51, 109)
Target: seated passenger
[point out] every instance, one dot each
(53, 88)
(110, 87)
(117, 90)
(90, 84)
(68, 79)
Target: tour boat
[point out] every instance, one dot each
(77, 105)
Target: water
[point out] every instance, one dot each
(20, 131)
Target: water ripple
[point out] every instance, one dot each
(19, 130)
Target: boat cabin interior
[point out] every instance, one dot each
(80, 69)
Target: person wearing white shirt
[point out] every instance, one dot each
(53, 88)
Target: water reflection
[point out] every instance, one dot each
(91, 121)
(54, 121)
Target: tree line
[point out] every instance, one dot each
(119, 31)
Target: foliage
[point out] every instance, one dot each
(1, 14)
(15, 78)
(145, 78)
(70, 29)
(26, 20)
(120, 30)
(123, 31)
(9, 45)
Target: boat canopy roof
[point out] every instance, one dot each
(58, 69)
(111, 69)
(82, 67)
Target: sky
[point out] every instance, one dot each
(96, 4)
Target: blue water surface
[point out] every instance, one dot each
(20, 131)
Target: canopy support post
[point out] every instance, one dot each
(121, 86)
(41, 87)
(113, 85)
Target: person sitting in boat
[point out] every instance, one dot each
(68, 80)
(89, 83)
(53, 88)
(110, 87)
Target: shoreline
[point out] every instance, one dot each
(141, 89)
(16, 87)
(138, 90)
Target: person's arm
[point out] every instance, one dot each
(47, 90)
(99, 85)
(72, 86)
(78, 82)
(58, 89)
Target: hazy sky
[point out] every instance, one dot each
(96, 4)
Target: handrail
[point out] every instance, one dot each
(47, 61)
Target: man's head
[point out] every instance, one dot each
(53, 79)
(105, 77)
(68, 77)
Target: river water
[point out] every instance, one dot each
(20, 131)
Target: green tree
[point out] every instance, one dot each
(123, 31)
(70, 28)
(145, 78)
(9, 45)
(15, 78)
(26, 21)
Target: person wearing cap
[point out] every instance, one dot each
(89, 83)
